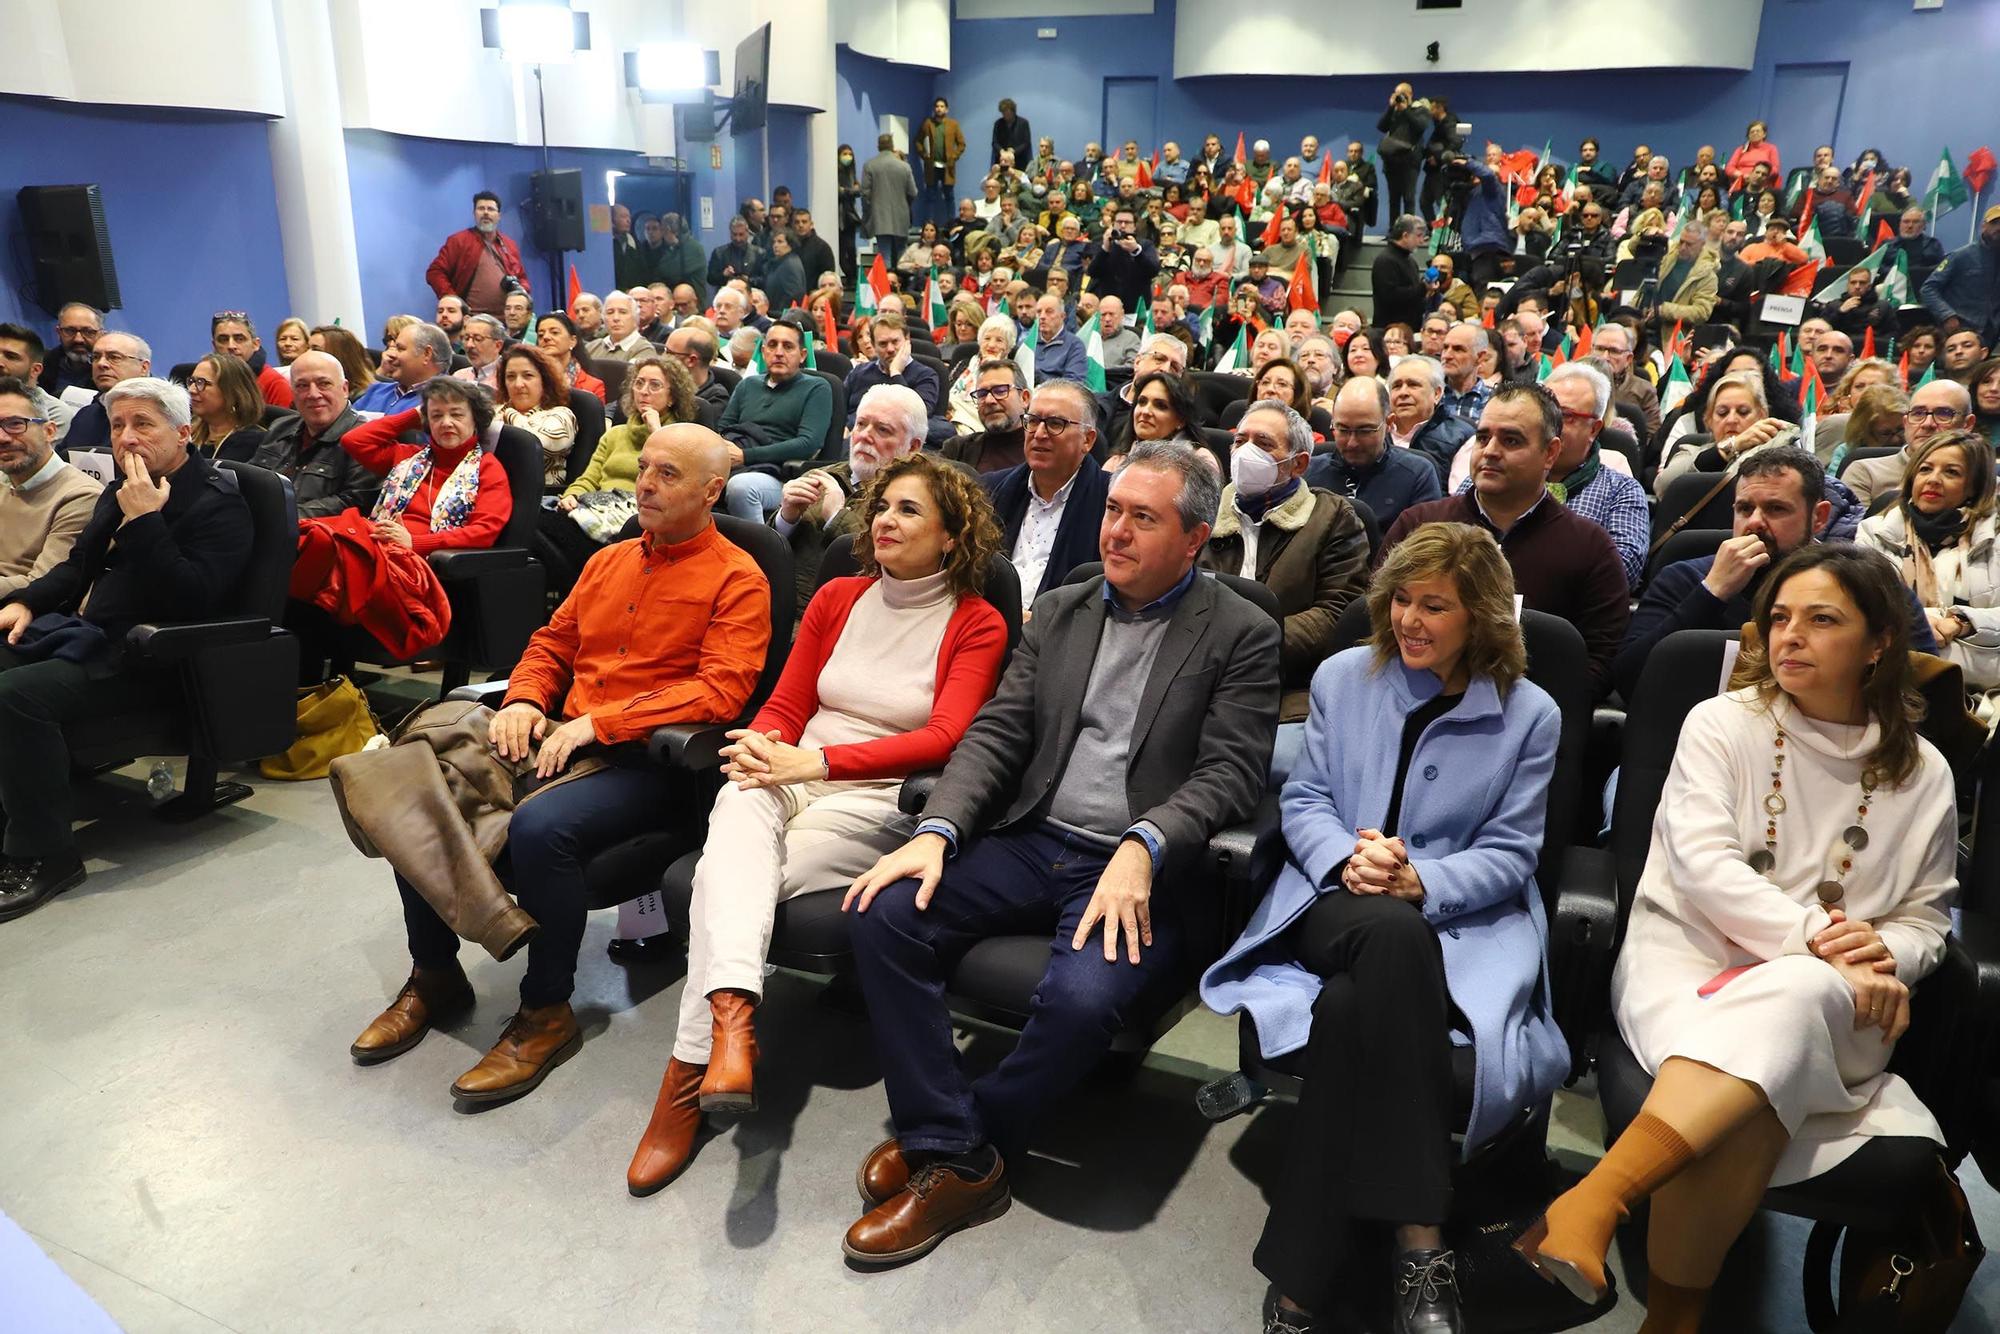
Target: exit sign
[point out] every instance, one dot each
(1045, 34)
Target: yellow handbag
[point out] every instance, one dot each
(334, 720)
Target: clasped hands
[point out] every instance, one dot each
(760, 759)
(1381, 866)
(1857, 950)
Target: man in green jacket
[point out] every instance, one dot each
(781, 415)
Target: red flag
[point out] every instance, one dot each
(1868, 342)
(1246, 194)
(1241, 156)
(1861, 195)
(1676, 343)
(1805, 214)
(1326, 168)
(1486, 318)
(575, 289)
(1156, 161)
(1799, 282)
(878, 277)
(1270, 237)
(1979, 168)
(829, 331)
(1518, 165)
(1903, 369)
(1145, 176)
(1784, 352)
(1884, 233)
(1582, 348)
(1300, 295)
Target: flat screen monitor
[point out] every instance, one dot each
(749, 102)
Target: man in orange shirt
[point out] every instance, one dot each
(1777, 244)
(669, 627)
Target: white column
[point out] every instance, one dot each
(309, 169)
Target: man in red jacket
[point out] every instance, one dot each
(479, 263)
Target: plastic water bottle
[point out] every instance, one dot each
(160, 782)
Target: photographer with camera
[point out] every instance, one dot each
(1444, 144)
(1478, 209)
(1405, 128)
(1122, 265)
(479, 263)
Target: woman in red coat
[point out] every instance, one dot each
(888, 669)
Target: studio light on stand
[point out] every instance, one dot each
(537, 33)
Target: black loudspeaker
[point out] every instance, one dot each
(68, 246)
(556, 210)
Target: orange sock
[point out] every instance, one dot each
(1671, 1309)
(1581, 1220)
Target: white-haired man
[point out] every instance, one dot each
(622, 340)
(168, 541)
(818, 506)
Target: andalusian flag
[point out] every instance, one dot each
(870, 287)
(1024, 351)
(1811, 391)
(1778, 356)
(1946, 190)
(1238, 353)
(1675, 386)
(1093, 355)
(934, 301)
(1811, 242)
(812, 358)
(1145, 320)
(1204, 325)
(1543, 365)
(1930, 373)
(1893, 285)
(757, 359)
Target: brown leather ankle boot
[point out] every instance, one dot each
(668, 1144)
(728, 1086)
(534, 1043)
(431, 996)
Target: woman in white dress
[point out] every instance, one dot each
(1801, 869)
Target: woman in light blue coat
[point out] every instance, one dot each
(1404, 944)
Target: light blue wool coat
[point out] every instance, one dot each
(1474, 804)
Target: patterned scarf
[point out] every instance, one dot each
(1580, 476)
(453, 505)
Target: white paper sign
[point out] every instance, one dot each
(708, 213)
(1783, 310)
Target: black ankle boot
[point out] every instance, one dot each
(26, 883)
(1427, 1294)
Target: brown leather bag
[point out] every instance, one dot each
(1907, 1282)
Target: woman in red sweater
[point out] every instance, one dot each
(438, 493)
(887, 671)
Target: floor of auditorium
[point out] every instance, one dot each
(186, 1136)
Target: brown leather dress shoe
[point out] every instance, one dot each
(936, 1203)
(534, 1042)
(732, 1057)
(668, 1144)
(431, 996)
(883, 1172)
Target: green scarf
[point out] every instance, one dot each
(1581, 476)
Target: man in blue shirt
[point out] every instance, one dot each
(419, 352)
(1058, 352)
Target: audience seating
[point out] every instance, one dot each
(628, 869)
(232, 691)
(1318, 418)
(936, 363)
(497, 595)
(828, 360)
(612, 371)
(1946, 1055)
(729, 375)
(1682, 495)
(1214, 391)
(1855, 456)
(1687, 544)
(589, 431)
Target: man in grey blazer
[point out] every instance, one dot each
(1135, 720)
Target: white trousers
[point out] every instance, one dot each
(764, 846)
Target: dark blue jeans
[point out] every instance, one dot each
(548, 841)
(1024, 882)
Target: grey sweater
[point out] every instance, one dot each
(1091, 796)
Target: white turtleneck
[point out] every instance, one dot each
(881, 678)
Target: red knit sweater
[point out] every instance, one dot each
(968, 667)
(374, 446)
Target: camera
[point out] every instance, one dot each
(1649, 247)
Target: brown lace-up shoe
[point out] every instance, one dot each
(534, 1043)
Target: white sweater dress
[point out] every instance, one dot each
(1787, 1024)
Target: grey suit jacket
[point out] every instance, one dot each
(1201, 744)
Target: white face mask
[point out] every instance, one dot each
(1254, 471)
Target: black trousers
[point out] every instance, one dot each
(1484, 269)
(1399, 182)
(36, 699)
(570, 549)
(1372, 1140)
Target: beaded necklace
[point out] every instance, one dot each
(1852, 839)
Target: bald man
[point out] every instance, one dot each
(305, 445)
(626, 653)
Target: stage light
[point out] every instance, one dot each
(672, 67)
(540, 32)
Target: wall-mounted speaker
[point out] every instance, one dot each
(69, 248)
(555, 210)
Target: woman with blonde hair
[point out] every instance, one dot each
(1940, 533)
(290, 338)
(1798, 885)
(888, 668)
(1736, 419)
(996, 339)
(1404, 967)
(1874, 422)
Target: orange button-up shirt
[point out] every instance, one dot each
(651, 635)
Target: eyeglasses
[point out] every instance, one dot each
(1356, 432)
(101, 355)
(78, 331)
(1034, 421)
(1942, 416)
(1579, 417)
(199, 384)
(222, 315)
(999, 391)
(16, 425)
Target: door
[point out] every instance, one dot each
(1131, 111)
(1804, 110)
